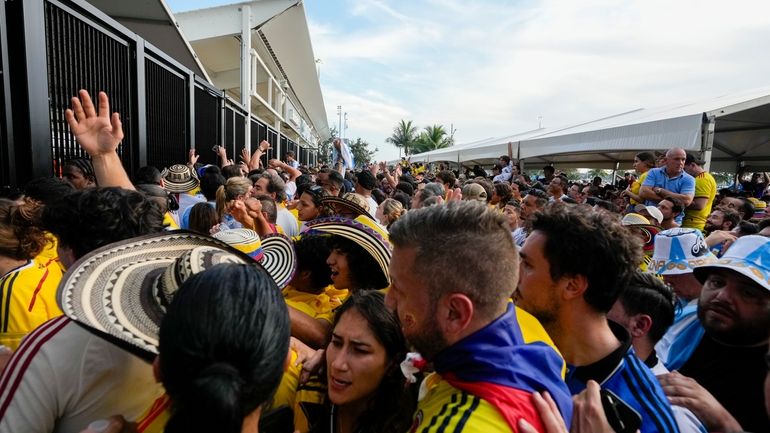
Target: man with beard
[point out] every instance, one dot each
(489, 356)
(669, 208)
(574, 265)
(723, 218)
(719, 351)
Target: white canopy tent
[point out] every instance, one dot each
(729, 132)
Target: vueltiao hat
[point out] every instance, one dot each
(342, 205)
(179, 178)
(748, 255)
(363, 231)
(679, 251)
(274, 252)
(123, 289)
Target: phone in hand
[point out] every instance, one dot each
(621, 417)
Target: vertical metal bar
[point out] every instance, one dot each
(191, 113)
(37, 88)
(8, 151)
(140, 113)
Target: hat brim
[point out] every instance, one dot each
(347, 206)
(742, 267)
(112, 289)
(274, 252)
(280, 259)
(648, 232)
(370, 240)
(181, 186)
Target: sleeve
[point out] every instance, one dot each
(651, 178)
(688, 186)
(28, 395)
(706, 187)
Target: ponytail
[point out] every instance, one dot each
(221, 202)
(210, 402)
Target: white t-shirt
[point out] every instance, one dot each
(64, 377)
(372, 207)
(287, 221)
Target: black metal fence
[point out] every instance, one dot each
(59, 47)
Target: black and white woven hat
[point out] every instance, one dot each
(179, 178)
(124, 288)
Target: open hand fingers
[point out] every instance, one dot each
(87, 103)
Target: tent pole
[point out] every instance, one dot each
(615, 171)
(707, 141)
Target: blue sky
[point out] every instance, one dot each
(493, 67)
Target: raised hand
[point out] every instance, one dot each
(97, 133)
(192, 157)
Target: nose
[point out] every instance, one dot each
(340, 361)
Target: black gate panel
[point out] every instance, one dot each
(167, 96)
(208, 124)
(82, 55)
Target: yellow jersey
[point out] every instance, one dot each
(28, 299)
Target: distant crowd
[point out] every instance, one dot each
(265, 295)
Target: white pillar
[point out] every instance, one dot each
(246, 73)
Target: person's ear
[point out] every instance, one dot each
(639, 325)
(456, 312)
(575, 286)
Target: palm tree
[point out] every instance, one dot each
(432, 138)
(404, 135)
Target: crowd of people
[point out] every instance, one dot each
(267, 295)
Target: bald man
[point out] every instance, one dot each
(669, 181)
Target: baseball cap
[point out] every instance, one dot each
(691, 158)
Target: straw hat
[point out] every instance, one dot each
(363, 231)
(179, 178)
(274, 252)
(124, 288)
(343, 206)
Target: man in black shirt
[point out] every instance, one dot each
(719, 348)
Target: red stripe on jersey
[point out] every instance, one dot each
(37, 289)
(160, 405)
(29, 346)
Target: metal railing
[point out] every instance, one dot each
(70, 45)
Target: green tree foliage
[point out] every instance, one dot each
(361, 152)
(403, 137)
(432, 138)
(325, 148)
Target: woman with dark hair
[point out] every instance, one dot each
(643, 162)
(366, 390)
(309, 206)
(203, 217)
(27, 285)
(501, 195)
(222, 351)
(353, 268)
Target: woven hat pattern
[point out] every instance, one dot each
(340, 205)
(678, 251)
(363, 232)
(122, 289)
(274, 252)
(179, 178)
